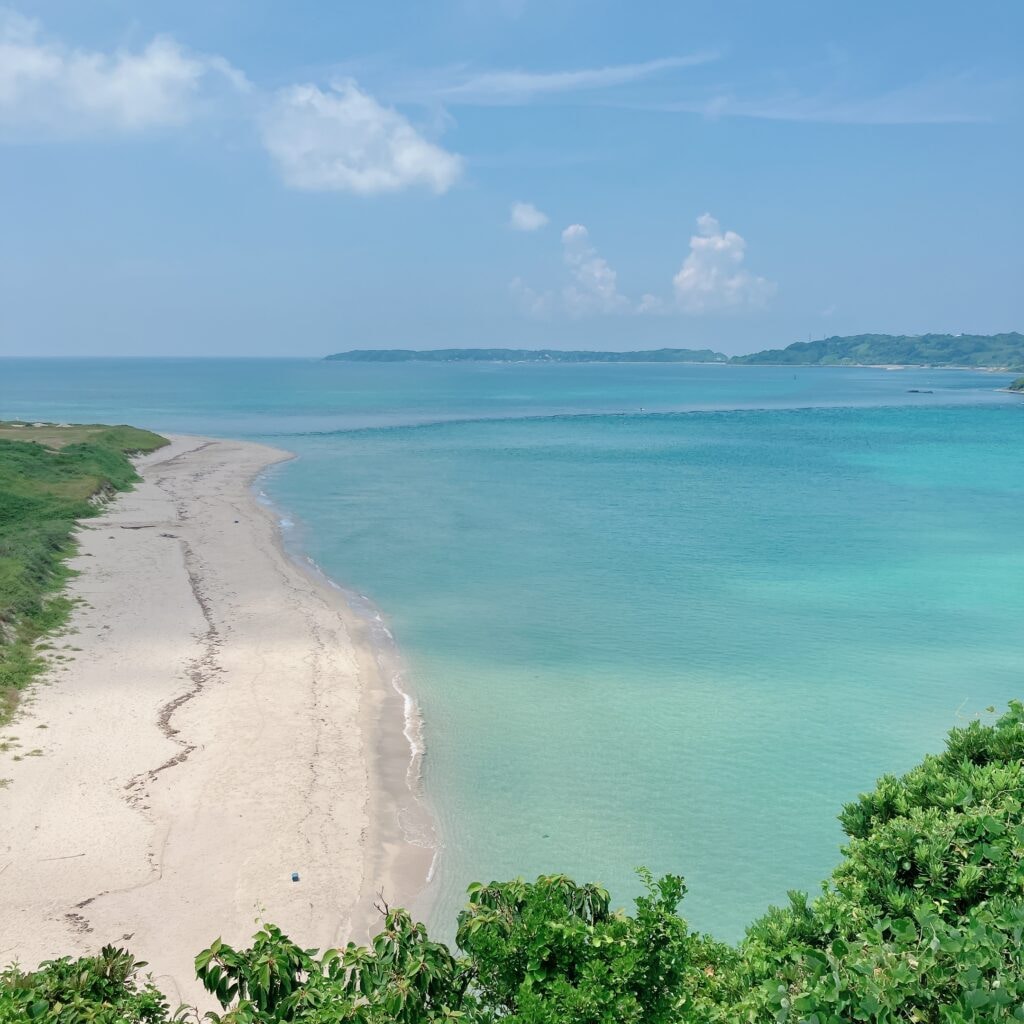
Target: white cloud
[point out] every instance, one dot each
(526, 217)
(344, 140)
(339, 139)
(594, 287)
(50, 90)
(712, 277)
(497, 88)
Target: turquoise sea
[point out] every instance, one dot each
(661, 615)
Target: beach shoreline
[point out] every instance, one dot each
(402, 843)
(214, 718)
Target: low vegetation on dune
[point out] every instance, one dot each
(921, 923)
(1018, 384)
(50, 476)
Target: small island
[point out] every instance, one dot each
(1017, 385)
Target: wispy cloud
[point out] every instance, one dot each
(462, 86)
(953, 99)
(594, 284)
(592, 287)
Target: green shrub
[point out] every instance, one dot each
(924, 914)
(104, 989)
(553, 951)
(403, 977)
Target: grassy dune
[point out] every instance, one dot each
(51, 475)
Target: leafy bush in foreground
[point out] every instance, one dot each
(922, 922)
(552, 951)
(100, 989)
(403, 977)
(923, 919)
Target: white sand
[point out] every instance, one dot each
(215, 733)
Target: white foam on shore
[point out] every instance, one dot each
(414, 819)
(416, 822)
(389, 661)
(264, 499)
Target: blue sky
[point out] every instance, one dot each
(183, 178)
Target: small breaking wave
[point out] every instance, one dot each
(414, 819)
(390, 664)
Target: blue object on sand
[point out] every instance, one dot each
(295, 876)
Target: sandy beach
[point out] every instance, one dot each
(220, 723)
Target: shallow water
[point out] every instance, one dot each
(678, 638)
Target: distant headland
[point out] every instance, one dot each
(980, 351)
(983, 351)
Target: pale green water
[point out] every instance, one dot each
(680, 639)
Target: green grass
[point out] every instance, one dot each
(50, 476)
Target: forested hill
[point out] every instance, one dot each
(988, 350)
(527, 355)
